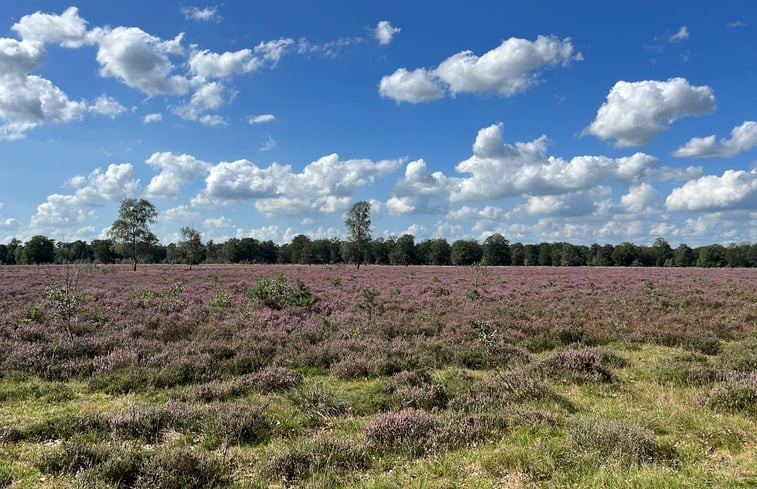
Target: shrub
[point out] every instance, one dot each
(72, 457)
(738, 394)
(150, 422)
(616, 440)
(236, 424)
(424, 396)
(411, 430)
(122, 468)
(323, 453)
(740, 355)
(65, 427)
(180, 468)
(583, 365)
(269, 379)
(316, 402)
(354, 367)
(692, 369)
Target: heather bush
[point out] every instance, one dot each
(269, 379)
(583, 365)
(236, 424)
(323, 453)
(517, 386)
(150, 422)
(49, 392)
(121, 468)
(740, 355)
(316, 402)
(692, 369)
(354, 367)
(72, 457)
(180, 468)
(738, 394)
(411, 431)
(91, 425)
(617, 441)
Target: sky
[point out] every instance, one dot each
(580, 121)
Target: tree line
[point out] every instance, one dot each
(131, 241)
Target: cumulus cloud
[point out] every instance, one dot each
(180, 213)
(272, 51)
(7, 222)
(324, 186)
(735, 189)
(411, 86)
(207, 64)
(635, 112)
(260, 119)
(640, 198)
(581, 203)
(206, 14)
(107, 106)
(217, 223)
(680, 35)
(414, 190)
(28, 101)
(154, 117)
(67, 29)
(385, 32)
(509, 69)
(175, 170)
(743, 138)
(207, 98)
(140, 60)
(66, 210)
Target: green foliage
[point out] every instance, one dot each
(358, 225)
(369, 303)
(131, 231)
(275, 293)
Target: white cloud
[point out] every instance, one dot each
(260, 119)
(735, 189)
(273, 50)
(410, 86)
(330, 49)
(207, 14)
(107, 106)
(67, 29)
(208, 97)
(7, 222)
(180, 213)
(268, 144)
(217, 223)
(140, 60)
(207, 64)
(680, 35)
(509, 69)
(635, 112)
(498, 170)
(155, 117)
(743, 138)
(29, 101)
(414, 190)
(385, 32)
(639, 198)
(323, 186)
(175, 170)
(66, 210)
(264, 233)
(579, 203)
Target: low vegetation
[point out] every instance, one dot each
(324, 377)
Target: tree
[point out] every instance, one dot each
(662, 251)
(403, 252)
(3, 254)
(102, 251)
(684, 256)
(496, 250)
(131, 231)
(465, 252)
(358, 224)
(191, 247)
(39, 249)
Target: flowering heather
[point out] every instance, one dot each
(329, 376)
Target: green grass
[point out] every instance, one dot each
(317, 436)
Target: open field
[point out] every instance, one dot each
(382, 377)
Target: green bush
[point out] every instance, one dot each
(180, 468)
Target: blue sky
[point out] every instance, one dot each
(563, 121)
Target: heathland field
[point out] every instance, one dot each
(382, 377)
